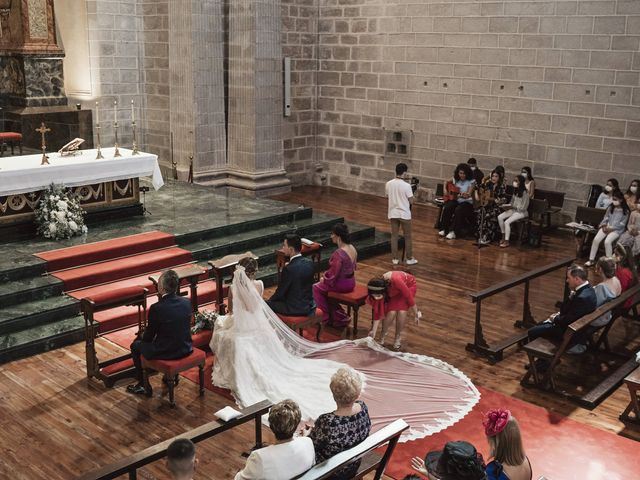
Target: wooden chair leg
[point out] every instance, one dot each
(171, 383)
(201, 378)
(355, 321)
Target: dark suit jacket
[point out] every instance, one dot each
(168, 332)
(583, 302)
(294, 295)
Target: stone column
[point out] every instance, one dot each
(255, 97)
(196, 79)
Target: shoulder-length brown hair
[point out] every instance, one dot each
(506, 446)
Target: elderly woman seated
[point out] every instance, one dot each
(288, 457)
(347, 426)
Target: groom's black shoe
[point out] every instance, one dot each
(139, 389)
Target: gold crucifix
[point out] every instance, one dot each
(43, 130)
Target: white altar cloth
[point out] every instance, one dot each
(24, 173)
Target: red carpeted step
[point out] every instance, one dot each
(106, 250)
(121, 268)
(119, 317)
(138, 281)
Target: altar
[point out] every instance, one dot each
(101, 185)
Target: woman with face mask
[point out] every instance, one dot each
(529, 182)
(604, 200)
(519, 209)
(631, 237)
(632, 195)
(612, 226)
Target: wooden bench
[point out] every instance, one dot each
(130, 465)
(633, 383)
(172, 368)
(555, 202)
(590, 217)
(536, 214)
(224, 268)
(114, 369)
(552, 352)
(495, 353)
(352, 300)
(189, 274)
(364, 453)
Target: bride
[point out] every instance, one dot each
(258, 357)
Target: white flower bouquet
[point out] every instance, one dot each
(59, 214)
(205, 320)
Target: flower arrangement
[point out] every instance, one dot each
(59, 214)
(205, 320)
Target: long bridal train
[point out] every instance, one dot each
(258, 357)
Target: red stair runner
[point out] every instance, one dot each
(120, 268)
(106, 250)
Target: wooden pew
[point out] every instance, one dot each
(130, 465)
(495, 353)
(363, 452)
(555, 201)
(552, 352)
(590, 217)
(224, 268)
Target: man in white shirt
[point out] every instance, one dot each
(400, 199)
(288, 457)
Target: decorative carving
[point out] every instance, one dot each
(89, 193)
(38, 24)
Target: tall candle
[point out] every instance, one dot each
(115, 112)
(97, 114)
(133, 115)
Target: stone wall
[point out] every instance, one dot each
(300, 43)
(549, 84)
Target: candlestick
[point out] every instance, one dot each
(133, 115)
(115, 127)
(99, 152)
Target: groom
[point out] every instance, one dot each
(294, 294)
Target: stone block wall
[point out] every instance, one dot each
(550, 84)
(300, 43)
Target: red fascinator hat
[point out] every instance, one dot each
(495, 420)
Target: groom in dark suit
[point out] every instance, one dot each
(168, 332)
(294, 295)
(581, 301)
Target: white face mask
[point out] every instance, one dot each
(616, 203)
(633, 189)
(608, 188)
(515, 184)
(524, 174)
(472, 167)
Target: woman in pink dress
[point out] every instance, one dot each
(391, 296)
(340, 277)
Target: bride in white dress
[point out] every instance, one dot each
(258, 357)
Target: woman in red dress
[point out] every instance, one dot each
(625, 270)
(391, 297)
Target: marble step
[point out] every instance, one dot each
(36, 313)
(251, 240)
(291, 217)
(32, 341)
(29, 289)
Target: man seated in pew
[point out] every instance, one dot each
(168, 332)
(288, 457)
(294, 295)
(580, 302)
(181, 459)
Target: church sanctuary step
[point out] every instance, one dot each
(29, 289)
(102, 272)
(36, 313)
(87, 253)
(31, 341)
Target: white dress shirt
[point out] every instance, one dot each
(279, 462)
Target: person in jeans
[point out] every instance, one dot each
(400, 199)
(458, 211)
(519, 209)
(611, 227)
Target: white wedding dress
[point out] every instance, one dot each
(258, 357)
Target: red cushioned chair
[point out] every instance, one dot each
(171, 369)
(112, 370)
(10, 138)
(300, 323)
(352, 300)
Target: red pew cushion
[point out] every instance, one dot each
(173, 367)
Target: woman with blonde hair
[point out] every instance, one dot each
(505, 444)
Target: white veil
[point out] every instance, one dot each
(266, 357)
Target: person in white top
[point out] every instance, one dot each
(288, 457)
(181, 459)
(400, 199)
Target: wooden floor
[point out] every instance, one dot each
(56, 424)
